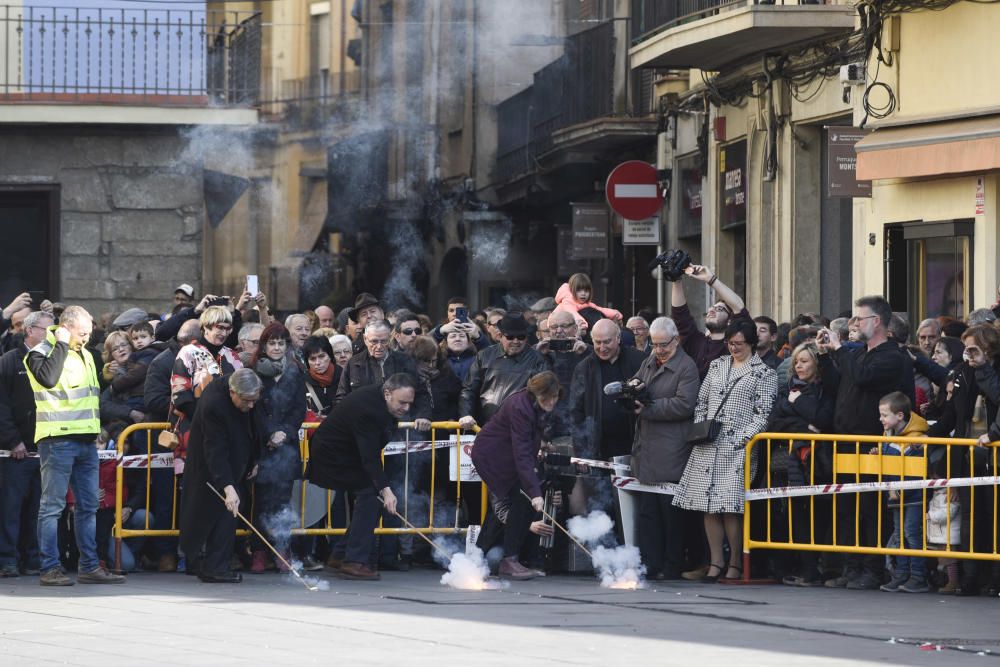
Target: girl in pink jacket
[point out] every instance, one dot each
(574, 295)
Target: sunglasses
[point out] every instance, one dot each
(409, 332)
(517, 337)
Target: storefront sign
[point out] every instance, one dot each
(590, 231)
(467, 472)
(842, 162)
(733, 188)
(641, 232)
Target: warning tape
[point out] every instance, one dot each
(633, 484)
(863, 487)
(393, 448)
(134, 461)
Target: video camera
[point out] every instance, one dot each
(628, 393)
(673, 263)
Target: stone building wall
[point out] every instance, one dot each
(131, 210)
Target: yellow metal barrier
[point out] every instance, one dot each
(849, 458)
(120, 532)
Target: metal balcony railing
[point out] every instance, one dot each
(310, 99)
(577, 87)
(79, 55)
(653, 16)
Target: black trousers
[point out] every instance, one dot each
(519, 518)
(359, 543)
(661, 530)
(219, 545)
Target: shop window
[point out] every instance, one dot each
(733, 211)
(29, 225)
(928, 268)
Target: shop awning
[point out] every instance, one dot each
(931, 149)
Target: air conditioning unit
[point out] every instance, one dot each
(852, 74)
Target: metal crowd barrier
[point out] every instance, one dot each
(305, 495)
(852, 472)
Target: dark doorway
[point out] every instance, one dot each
(30, 229)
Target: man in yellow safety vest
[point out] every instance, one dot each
(63, 377)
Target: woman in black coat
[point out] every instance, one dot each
(324, 374)
(222, 452)
(805, 405)
(280, 412)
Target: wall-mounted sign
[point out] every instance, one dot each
(590, 231)
(733, 185)
(641, 232)
(842, 163)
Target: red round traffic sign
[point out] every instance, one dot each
(633, 191)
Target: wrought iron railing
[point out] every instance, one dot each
(311, 99)
(145, 56)
(577, 87)
(653, 16)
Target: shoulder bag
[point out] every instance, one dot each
(705, 432)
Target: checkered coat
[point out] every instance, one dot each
(713, 478)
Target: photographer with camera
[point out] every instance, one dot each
(602, 427)
(564, 351)
(702, 348)
(660, 452)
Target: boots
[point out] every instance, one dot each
(511, 568)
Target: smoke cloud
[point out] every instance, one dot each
(617, 567)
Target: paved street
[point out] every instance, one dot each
(409, 618)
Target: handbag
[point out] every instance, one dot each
(705, 432)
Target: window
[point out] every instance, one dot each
(28, 224)
(929, 268)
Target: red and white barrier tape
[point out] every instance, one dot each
(633, 484)
(134, 461)
(862, 487)
(594, 463)
(394, 448)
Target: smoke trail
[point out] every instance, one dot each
(467, 570)
(617, 567)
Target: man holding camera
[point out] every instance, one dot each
(661, 449)
(602, 427)
(703, 348)
(564, 352)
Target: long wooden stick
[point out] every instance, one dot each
(264, 540)
(560, 527)
(417, 531)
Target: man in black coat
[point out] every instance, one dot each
(20, 478)
(222, 453)
(344, 456)
(866, 374)
(601, 428)
(499, 371)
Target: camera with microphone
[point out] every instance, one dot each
(672, 263)
(628, 393)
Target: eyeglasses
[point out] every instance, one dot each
(252, 341)
(119, 348)
(736, 343)
(409, 332)
(338, 353)
(517, 337)
(663, 346)
(494, 323)
(718, 309)
(637, 329)
(866, 317)
(378, 343)
(561, 327)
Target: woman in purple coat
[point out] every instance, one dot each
(505, 454)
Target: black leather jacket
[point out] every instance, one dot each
(362, 371)
(493, 377)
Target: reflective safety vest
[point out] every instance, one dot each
(72, 407)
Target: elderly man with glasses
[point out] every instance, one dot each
(707, 347)
(499, 371)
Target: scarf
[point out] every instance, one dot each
(323, 379)
(269, 368)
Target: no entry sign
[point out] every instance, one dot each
(633, 191)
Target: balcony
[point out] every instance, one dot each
(309, 102)
(716, 34)
(159, 65)
(576, 105)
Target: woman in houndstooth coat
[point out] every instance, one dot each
(713, 478)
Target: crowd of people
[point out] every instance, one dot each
(679, 397)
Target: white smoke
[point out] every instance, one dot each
(321, 584)
(617, 567)
(467, 570)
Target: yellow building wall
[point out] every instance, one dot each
(932, 200)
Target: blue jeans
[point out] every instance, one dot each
(133, 545)
(912, 536)
(20, 489)
(68, 464)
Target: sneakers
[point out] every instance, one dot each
(258, 562)
(310, 564)
(100, 575)
(842, 580)
(948, 589)
(915, 585)
(511, 568)
(866, 582)
(357, 571)
(9, 570)
(894, 583)
(55, 577)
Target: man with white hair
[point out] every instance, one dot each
(299, 328)
(661, 450)
(928, 334)
(602, 428)
(640, 329)
(326, 317)
(63, 377)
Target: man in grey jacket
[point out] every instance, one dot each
(661, 449)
